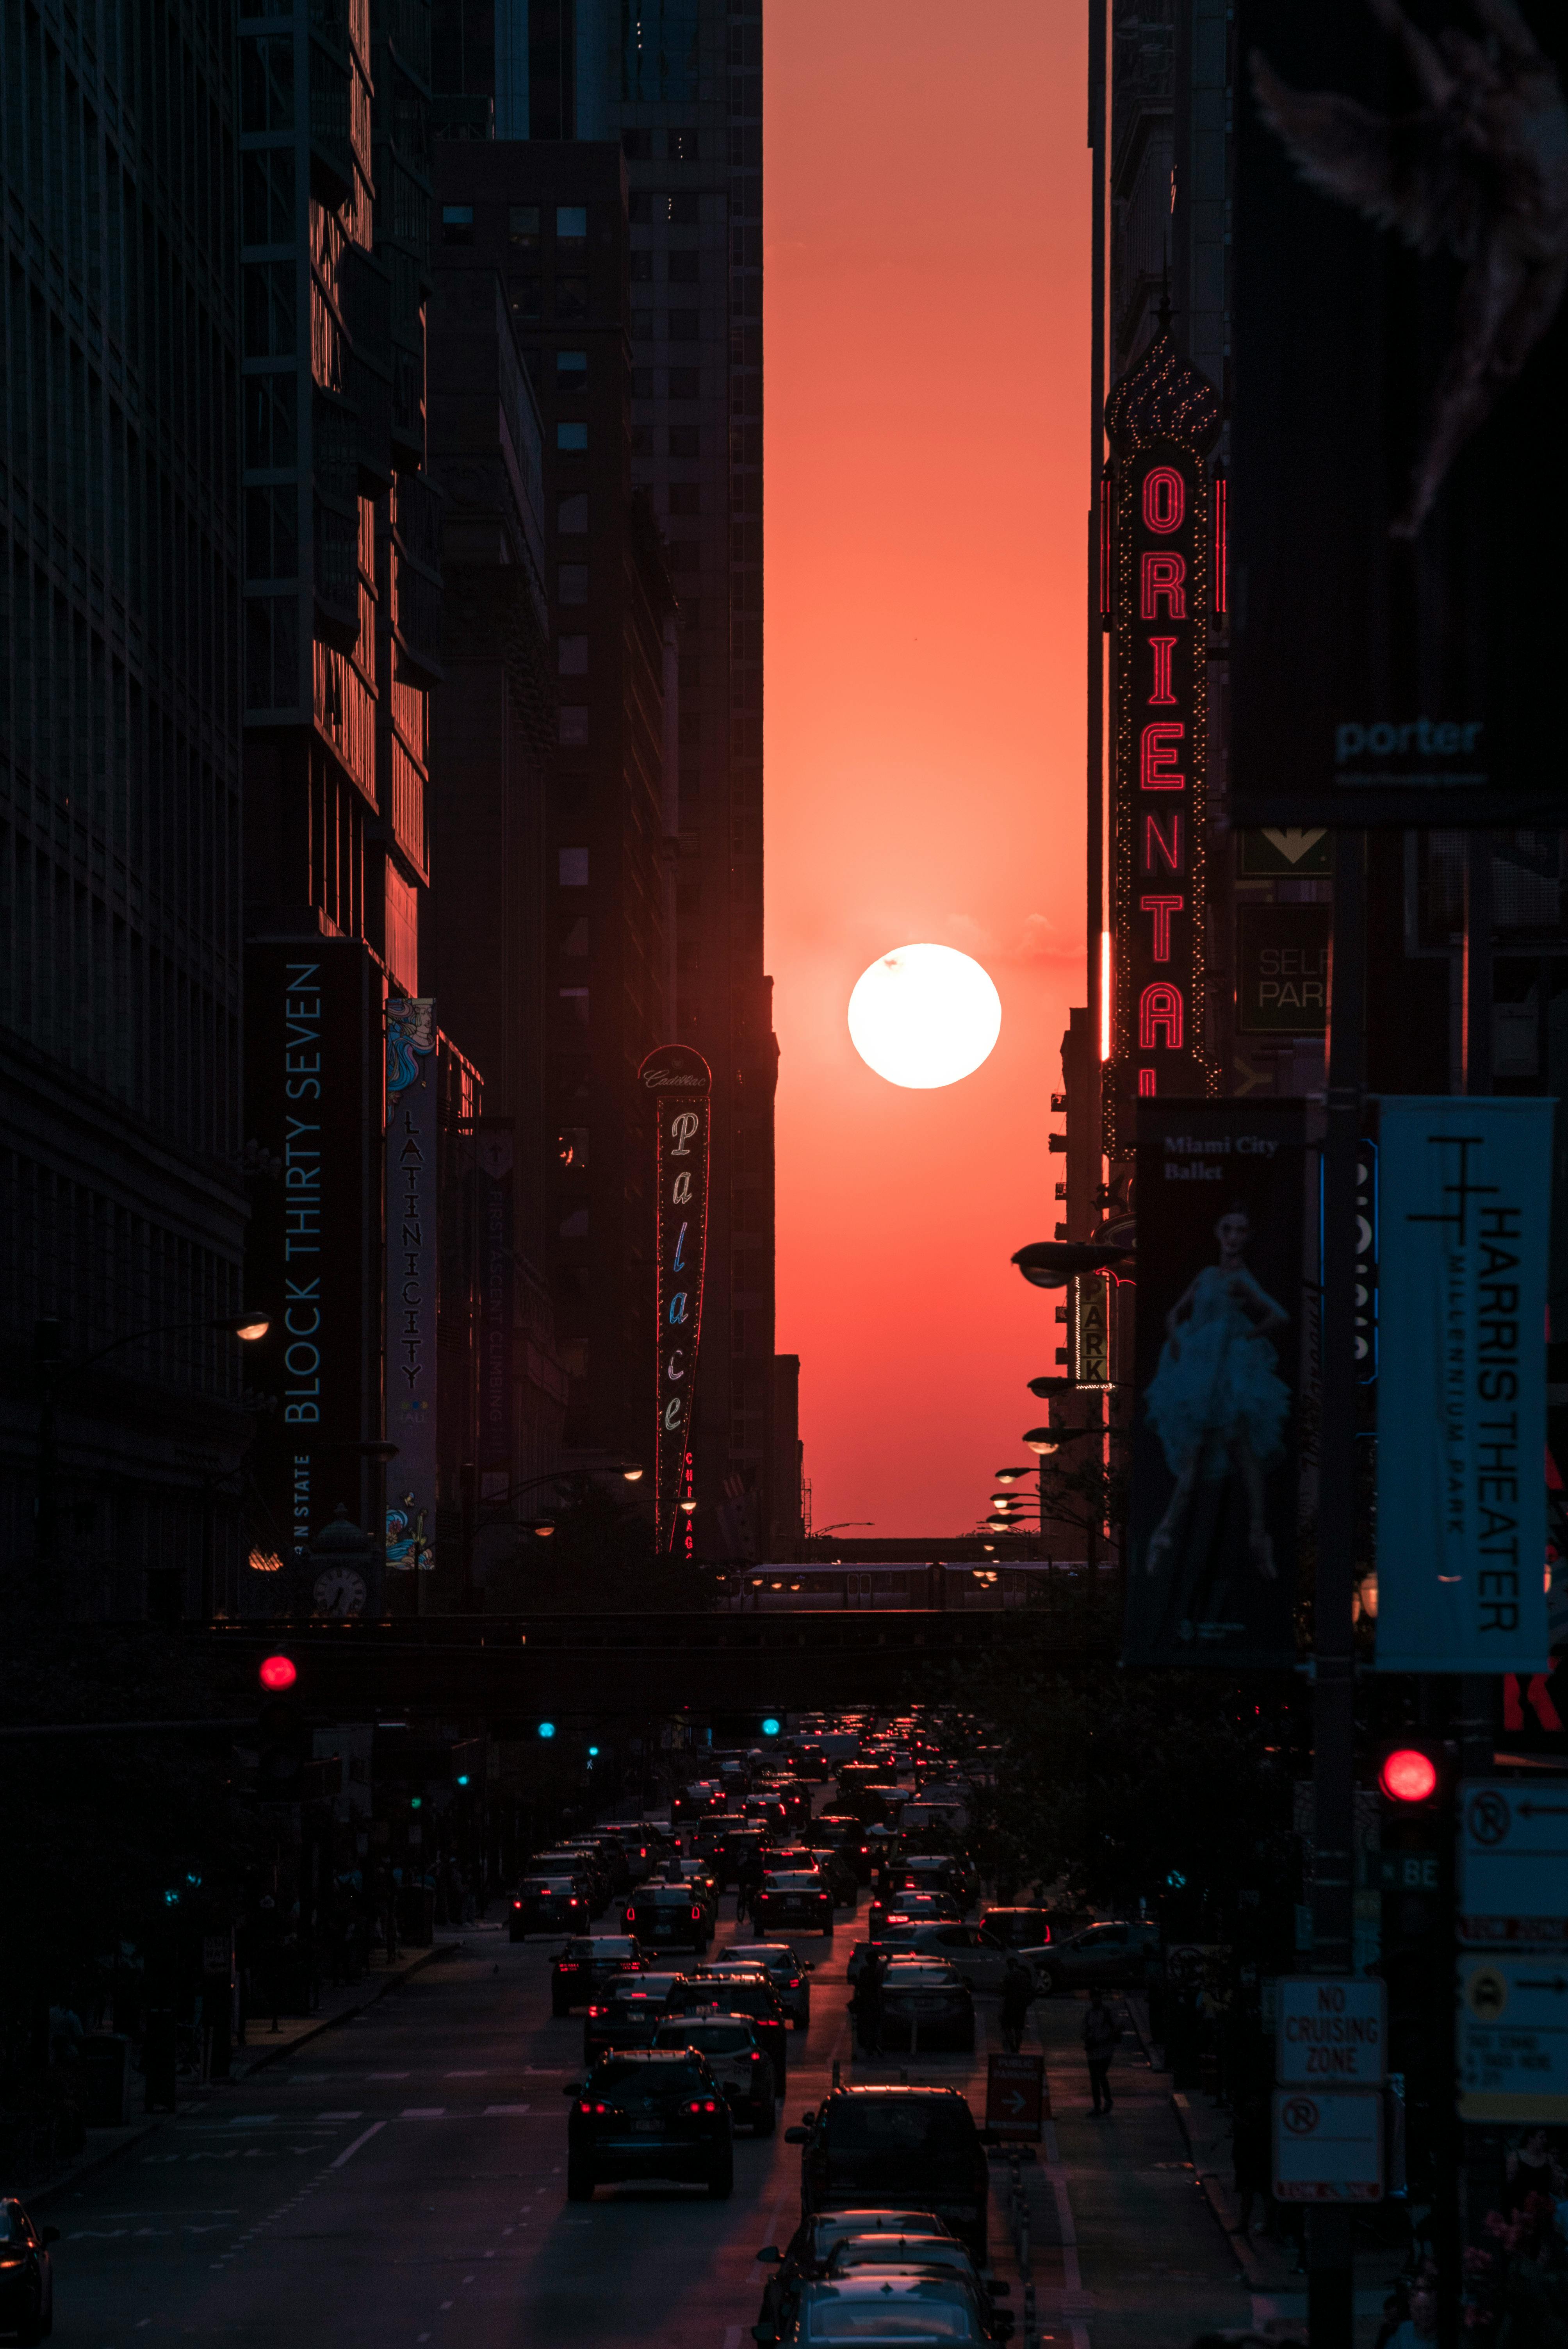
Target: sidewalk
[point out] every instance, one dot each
(263, 2047)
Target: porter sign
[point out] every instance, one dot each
(680, 1084)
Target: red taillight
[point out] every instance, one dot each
(573, 1903)
(601, 2108)
(697, 1915)
(567, 1966)
(755, 2057)
(794, 1982)
(702, 2107)
(517, 1904)
(631, 1916)
(585, 2106)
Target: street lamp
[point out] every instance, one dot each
(1042, 1440)
(631, 1474)
(1009, 1475)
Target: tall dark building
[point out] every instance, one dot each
(120, 767)
(533, 260)
(679, 83)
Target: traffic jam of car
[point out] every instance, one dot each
(689, 2019)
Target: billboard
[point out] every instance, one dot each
(1463, 1229)
(413, 1151)
(679, 1083)
(1399, 358)
(1222, 1236)
(1281, 969)
(313, 1258)
(1162, 588)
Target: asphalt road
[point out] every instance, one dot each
(400, 2182)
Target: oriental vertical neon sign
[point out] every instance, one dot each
(1159, 569)
(680, 1083)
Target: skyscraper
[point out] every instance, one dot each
(679, 83)
(121, 1204)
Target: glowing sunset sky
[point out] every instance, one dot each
(927, 357)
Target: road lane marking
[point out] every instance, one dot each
(423, 2113)
(386, 2076)
(363, 2139)
(507, 2108)
(468, 2076)
(340, 2116)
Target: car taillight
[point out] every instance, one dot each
(794, 1982)
(755, 2057)
(630, 1916)
(517, 1904)
(567, 1966)
(708, 2105)
(697, 1915)
(573, 1903)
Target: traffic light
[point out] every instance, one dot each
(1410, 1774)
(282, 1737)
(278, 1673)
(770, 1724)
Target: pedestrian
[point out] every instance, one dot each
(1101, 2034)
(1017, 1991)
(868, 2003)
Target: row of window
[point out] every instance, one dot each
(524, 225)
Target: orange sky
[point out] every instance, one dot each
(927, 372)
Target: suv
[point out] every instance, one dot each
(649, 2112)
(837, 1873)
(911, 1909)
(799, 1899)
(789, 1974)
(584, 1967)
(864, 2145)
(733, 1993)
(736, 2060)
(1102, 1956)
(626, 2015)
(805, 2258)
(1020, 1928)
(668, 1917)
(577, 1859)
(924, 2001)
(846, 1835)
(542, 1902)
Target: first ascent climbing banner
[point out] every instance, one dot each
(1216, 1444)
(1464, 1220)
(680, 1084)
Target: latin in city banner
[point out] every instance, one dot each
(1399, 381)
(413, 1145)
(1463, 1232)
(680, 1084)
(1221, 1235)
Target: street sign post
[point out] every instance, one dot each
(1513, 2039)
(1332, 2031)
(1016, 2104)
(1513, 1863)
(1328, 2145)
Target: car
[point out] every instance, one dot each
(610, 1853)
(923, 2255)
(837, 1874)
(846, 1835)
(649, 2112)
(26, 2274)
(789, 1974)
(544, 1904)
(741, 1840)
(927, 2004)
(626, 2017)
(940, 1872)
(699, 1879)
(735, 1992)
(1107, 1956)
(896, 1940)
(914, 2144)
(668, 1916)
(584, 1966)
(737, 2060)
(577, 1859)
(799, 1898)
(881, 2305)
(696, 1801)
(911, 1909)
(805, 2258)
(1018, 1929)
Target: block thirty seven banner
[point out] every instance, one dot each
(1464, 1221)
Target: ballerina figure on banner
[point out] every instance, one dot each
(1217, 1402)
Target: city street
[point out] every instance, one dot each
(401, 2181)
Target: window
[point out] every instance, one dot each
(571, 656)
(268, 196)
(641, 268)
(685, 327)
(572, 438)
(269, 291)
(570, 298)
(572, 223)
(522, 226)
(637, 146)
(686, 497)
(574, 728)
(457, 223)
(403, 931)
(575, 942)
(266, 82)
(528, 300)
(573, 583)
(683, 383)
(681, 146)
(682, 209)
(570, 370)
(684, 268)
(269, 402)
(575, 1227)
(683, 440)
(571, 514)
(574, 1004)
(573, 868)
(272, 534)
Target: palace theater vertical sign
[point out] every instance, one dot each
(680, 1084)
(1162, 574)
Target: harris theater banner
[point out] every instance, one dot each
(680, 1084)
(1400, 380)
(1464, 1228)
(1161, 573)
(1216, 1442)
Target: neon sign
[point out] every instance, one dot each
(680, 1083)
(1160, 573)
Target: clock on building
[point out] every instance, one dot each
(340, 1590)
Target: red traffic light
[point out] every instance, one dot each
(279, 1672)
(1408, 1776)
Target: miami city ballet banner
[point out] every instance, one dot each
(412, 1152)
(1222, 1239)
(1464, 1189)
(680, 1084)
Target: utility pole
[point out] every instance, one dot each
(1330, 2291)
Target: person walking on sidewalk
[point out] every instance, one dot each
(1017, 1991)
(1101, 2035)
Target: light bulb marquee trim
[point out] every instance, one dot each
(1160, 582)
(680, 1084)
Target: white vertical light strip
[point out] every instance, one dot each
(1105, 995)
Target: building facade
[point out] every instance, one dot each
(679, 84)
(123, 1166)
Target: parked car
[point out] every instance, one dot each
(651, 2112)
(26, 2274)
(1106, 1956)
(909, 2144)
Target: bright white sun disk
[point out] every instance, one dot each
(924, 1016)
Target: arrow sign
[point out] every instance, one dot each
(1512, 2041)
(1542, 1810)
(1556, 1984)
(1016, 2102)
(1513, 1867)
